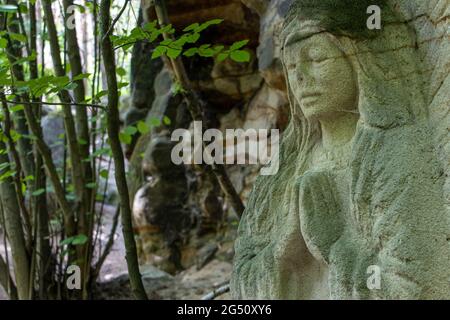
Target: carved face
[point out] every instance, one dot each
(320, 76)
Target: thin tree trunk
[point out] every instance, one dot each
(25, 146)
(6, 281)
(46, 154)
(79, 92)
(18, 168)
(44, 150)
(43, 249)
(85, 223)
(71, 134)
(113, 125)
(14, 231)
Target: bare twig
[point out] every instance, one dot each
(217, 292)
(60, 104)
(108, 245)
(113, 23)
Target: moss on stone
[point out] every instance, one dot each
(346, 17)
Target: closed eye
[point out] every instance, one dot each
(319, 60)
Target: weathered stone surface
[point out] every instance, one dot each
(268, 51)
(259, 6)
(363, 180)
(265, 108)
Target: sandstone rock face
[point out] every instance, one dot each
(360, 208)
(238, 95)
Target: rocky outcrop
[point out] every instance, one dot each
(237, 95)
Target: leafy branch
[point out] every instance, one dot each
(174, 47)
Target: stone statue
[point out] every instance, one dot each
(360, 186)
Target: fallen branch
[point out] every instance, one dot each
(217, 292)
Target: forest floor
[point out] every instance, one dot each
(113, 279)
(188, 284)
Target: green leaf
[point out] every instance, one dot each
(100, 152)
(28, 178)
(218, 49)
(190, 52)
(166, 42)
(81, 76)
(104, 173)
(167, 121)
(81, 8)
(121, 71)
(23, 8)
(38, 192)
(69, 86)
(206, 24)
(158, 52)
(193, 38)
(240, 56)
(206, 51)
(238, 45)
(7, 175)
(173, 53)
(191, 27)
(101, 94)
(91, 185)
(178, 88)
(130, 130)
(16, 108)
(150, 26)
(214, 21)
(125, 138)
(121, 85)
(4, 165)
(66, 241)
(3, 43)
(222, 56)
(155, 122)
(142, 127)
(75, 240)
(17, 37)
(15, 136)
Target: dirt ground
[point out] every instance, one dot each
(113, 278)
